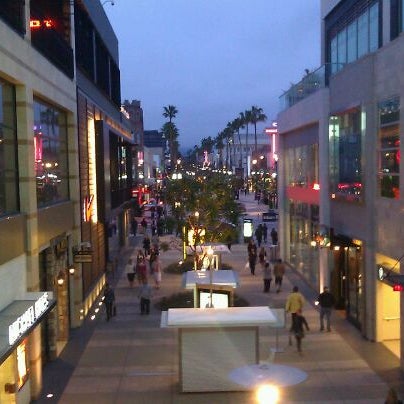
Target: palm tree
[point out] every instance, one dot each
(219, 144)
(246, 118)
(257, 115)
(170, 112)
(170, 130)
(228, 134)
(238, 124)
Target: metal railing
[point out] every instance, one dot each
(310, 83)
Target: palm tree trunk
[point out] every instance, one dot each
(255, 137)
(241, 150)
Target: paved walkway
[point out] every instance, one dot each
(132, 360)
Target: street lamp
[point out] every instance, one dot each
(210, 257)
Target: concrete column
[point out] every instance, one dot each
(27, 181)
(35, 362)
(323, 168)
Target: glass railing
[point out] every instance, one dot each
(310, 83)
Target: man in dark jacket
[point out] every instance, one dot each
(109, 300)
(326, 301)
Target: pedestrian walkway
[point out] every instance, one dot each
(130, 359)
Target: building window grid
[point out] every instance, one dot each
(364, 24)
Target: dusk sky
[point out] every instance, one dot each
(212, 59)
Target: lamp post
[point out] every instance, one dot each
(210, 257)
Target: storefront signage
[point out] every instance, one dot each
(83, 257)
(27, 319)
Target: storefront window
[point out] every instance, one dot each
(50, 141)
(303, 228)
(389, 146)
(346, 156)
(302, 166)
(9, 200)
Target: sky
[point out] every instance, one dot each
(212, 59)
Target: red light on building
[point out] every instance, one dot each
(48, 23)
(34, 24)
(398, 288)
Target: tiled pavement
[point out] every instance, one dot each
(132, 360)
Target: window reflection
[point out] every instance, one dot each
(50, 143)
(389, 141)
(355, 35)
(302, 166)
(9, 199)
(346, 156)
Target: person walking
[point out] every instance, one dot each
(145, 295)
(258, 234)
(267, 276)
(294, 303)
(143, 223)
(252, 255)
(109, 300)
(146, 245)
(298, 325)
(130, 271)
(274, 236)
(265, 232)
(156, 270)
(326, 302)
(141, 269)
(262, 256)
(279, 272)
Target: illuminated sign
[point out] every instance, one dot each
(27, 319)
(36, 24)
(22, 364)
(247, 228)
(87, 207)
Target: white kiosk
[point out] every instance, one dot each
(214, 342)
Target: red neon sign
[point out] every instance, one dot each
(36, 24)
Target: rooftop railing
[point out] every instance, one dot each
(310, 83)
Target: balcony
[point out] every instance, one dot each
(311, 82)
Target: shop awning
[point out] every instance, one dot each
(20, 317)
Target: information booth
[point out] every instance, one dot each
(215, 342)
(221, 282)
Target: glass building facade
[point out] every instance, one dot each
(354, 34)
(51, 159)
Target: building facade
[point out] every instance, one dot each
(355, 128)
(39, 188)
(106, 145)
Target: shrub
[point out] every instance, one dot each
(185, 300)
(177, 268)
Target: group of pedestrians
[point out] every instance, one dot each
(294, 305)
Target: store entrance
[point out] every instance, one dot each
(390, 317)
(347, 281)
